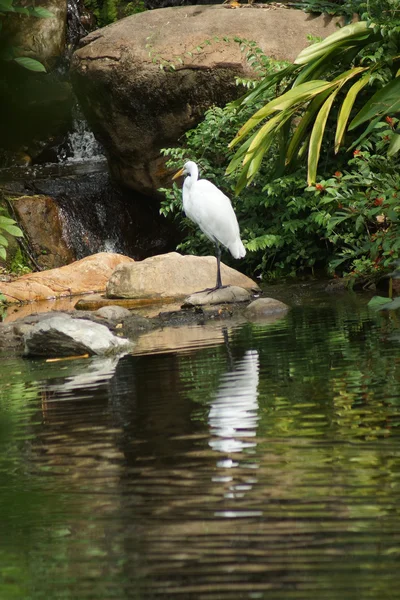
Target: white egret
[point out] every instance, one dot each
(212, 211)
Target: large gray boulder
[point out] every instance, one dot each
(171, 276)
(136, 107)
(64, 336)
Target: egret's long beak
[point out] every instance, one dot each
(178, 174)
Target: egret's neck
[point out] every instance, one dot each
(192, 178)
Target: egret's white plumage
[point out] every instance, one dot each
(212, 211)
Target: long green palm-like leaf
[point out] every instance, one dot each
(253, 159)
(237, 158)
(295, 96)
(312, 97)
(267, 129)
(354, 31)
(346, 107)
(266, 83)
(316, 137)
(302, 128)
(385, 101)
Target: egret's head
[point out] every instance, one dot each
(189, 168)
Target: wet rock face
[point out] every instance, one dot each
(136, 108)
(73, 210)
(40, 220)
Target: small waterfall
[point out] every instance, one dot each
(79, 22)
(80, 145)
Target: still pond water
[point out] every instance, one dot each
(261, 461)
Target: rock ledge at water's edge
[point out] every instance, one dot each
(155, 282)
(84, 276)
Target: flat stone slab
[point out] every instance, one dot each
(226, 295)
(129, 303)
(89, 274)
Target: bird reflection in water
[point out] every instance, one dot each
(234, 412)
(233, 419)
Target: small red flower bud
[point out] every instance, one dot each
(378, 201)
(338, 174)
(319, 187)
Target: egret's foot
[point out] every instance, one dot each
(214, 289)
(210, 290)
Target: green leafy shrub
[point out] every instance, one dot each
(7, 225)
(132, 8)
(348, 81)
(346, 224)
(274, 216)
(362, 202)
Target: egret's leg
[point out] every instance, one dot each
(218, 255)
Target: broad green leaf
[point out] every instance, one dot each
(3, 241)
(22, 10)
(254, 165)
(349, 74)
(3, 253)
(354, 30)
(6, 221)
(385, 101)
(13, 230)
(394, 145)
(30, 63)
(346, 107)
(266, 142)
(257, 158)
(40, 12)
(379, 302)
(303, 93)
(242, 181)
(316, 137)
(313, 69)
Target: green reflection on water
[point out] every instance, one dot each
(320, 466)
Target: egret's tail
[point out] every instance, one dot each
(237, 249)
